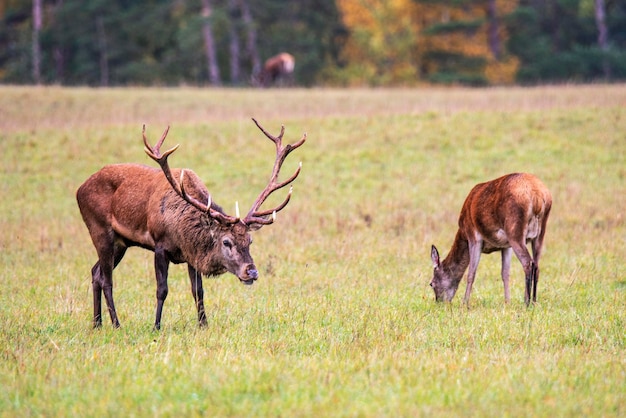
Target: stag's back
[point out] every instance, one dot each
(135, 201)
(120, 198)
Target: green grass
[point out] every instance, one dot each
(342, 321)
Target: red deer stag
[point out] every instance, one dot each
(498, 215)
(276, 68)
(170, 212)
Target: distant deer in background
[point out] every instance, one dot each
(499, 215)
(278, 68)
(170, 212)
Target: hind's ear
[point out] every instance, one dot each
(434, 255)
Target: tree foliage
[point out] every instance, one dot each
(557, 40)
(121, 42)
(343, 42)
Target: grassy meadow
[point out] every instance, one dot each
(342, 321)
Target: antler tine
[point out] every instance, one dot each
(260, 217)
(161, 159)
(277, 140)
(178, 186)
(155, 152)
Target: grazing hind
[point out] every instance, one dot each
(500, 215)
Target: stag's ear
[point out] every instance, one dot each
(254, 227)
(434, 255)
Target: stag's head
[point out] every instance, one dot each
(233, 242)
(443, 282)
(229, 247)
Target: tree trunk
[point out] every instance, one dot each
(209, 44)
(603, 31)
(235, 61)
(102, 46)
(57, 52)
(603, 34)
(37, 23)
(492, 31)
(251, 48)
(59, 64)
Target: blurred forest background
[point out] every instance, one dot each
(334, 42)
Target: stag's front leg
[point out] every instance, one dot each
(198, 293)
(161, 266)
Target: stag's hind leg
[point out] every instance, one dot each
(110, 254)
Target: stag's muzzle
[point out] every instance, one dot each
(250, 275)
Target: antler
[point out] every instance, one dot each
(161, 159)
(255, 216)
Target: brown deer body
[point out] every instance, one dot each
(500, 215)
(170, 212)
(278, 67)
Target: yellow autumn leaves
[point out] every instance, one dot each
(408, 42)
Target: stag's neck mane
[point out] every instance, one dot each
(457, 260)
(194, 234)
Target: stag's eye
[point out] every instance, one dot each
(227, 243)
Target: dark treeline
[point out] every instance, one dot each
(163, 42)
(569, 40)
(225, 42)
